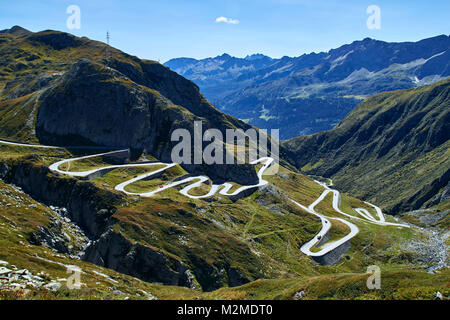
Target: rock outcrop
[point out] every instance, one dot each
(112, 250)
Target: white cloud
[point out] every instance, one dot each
(227, 20)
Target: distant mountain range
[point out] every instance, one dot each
(313, 92)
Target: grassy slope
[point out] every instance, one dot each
(20, 216)
(263, 232)
(15, 228)
(395, 285)
(25, 60)
(18, 118)
(317, 282)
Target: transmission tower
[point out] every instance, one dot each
(107, 50)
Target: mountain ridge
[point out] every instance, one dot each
(313, 92)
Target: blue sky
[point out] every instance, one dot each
(164, 29)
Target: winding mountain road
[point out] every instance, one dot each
(19, 144)
(224, 189)
(326, 224)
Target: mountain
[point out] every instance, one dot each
(218, 77)
(394, 147)
(313, 92)
(69, 96)
(86, 183)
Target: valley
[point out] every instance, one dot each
(88, 183)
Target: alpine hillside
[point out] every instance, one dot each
(393, 147)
